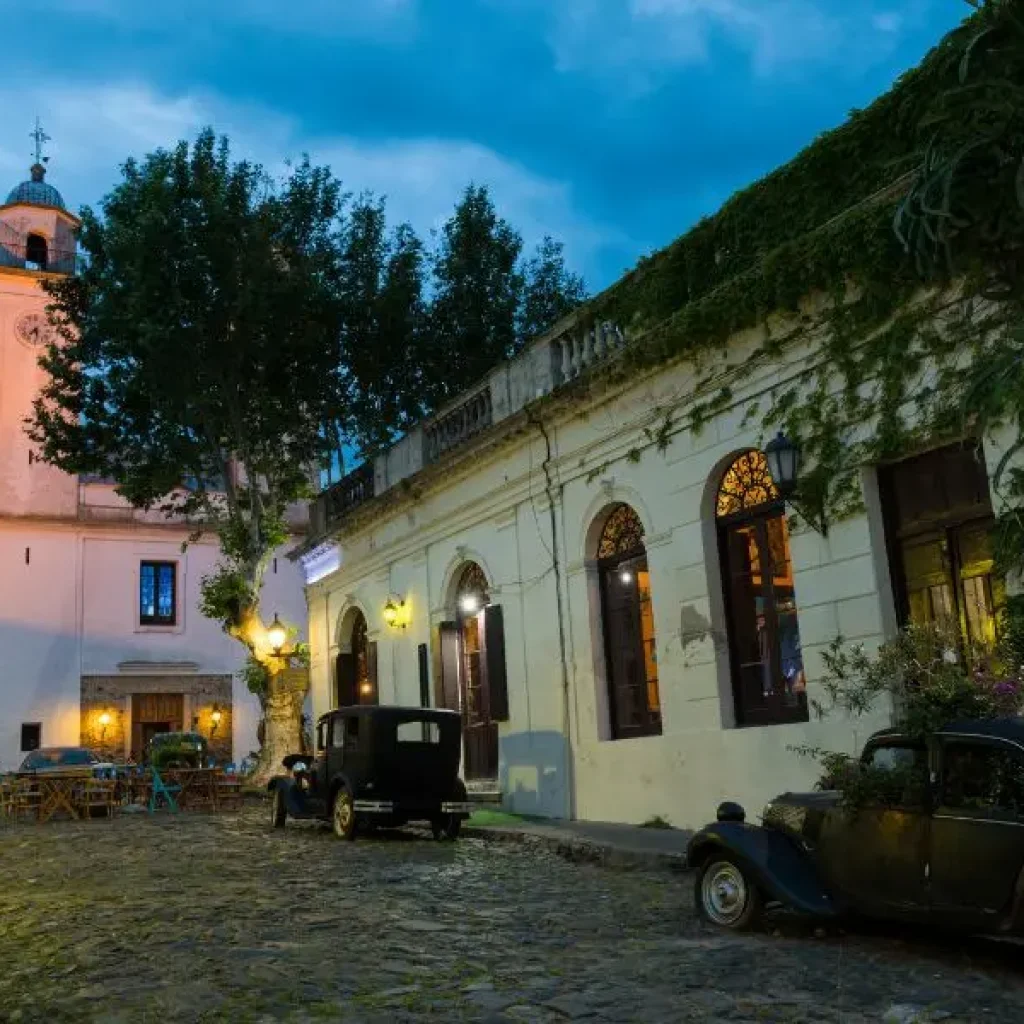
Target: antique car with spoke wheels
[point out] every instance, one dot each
(377, 766)
(935, 835)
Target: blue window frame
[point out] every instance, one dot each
(158, 593)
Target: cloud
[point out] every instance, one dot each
(95, 128)
(636, 43)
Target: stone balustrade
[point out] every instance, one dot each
(579, 348)
(453, 428)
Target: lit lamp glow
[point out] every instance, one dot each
(391, 613)
(470, 604)
(215, 718)
(104, 723)
(366, 687)
(625, 577)
(277, 634)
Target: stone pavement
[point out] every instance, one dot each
(605, 843)
(219, 919)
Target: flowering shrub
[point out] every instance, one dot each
(930, 681)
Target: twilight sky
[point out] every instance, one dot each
(612, 124)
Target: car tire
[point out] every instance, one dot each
(343, 814)
(448, 826)
(278, 811)
(725, 894)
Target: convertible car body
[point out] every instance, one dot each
(945, 845)
(377, 766)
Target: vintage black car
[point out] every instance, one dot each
(377, 766)
(945, 846)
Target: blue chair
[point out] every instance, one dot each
(162, 789)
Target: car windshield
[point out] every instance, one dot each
(74, 757)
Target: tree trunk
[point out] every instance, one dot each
(282, 718)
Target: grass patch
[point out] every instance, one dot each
(488, 817)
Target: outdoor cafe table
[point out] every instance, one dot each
(59, 791)
(198, 785)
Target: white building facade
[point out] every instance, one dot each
(102, 639)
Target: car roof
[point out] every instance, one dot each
(1010, 728)
(391, 711)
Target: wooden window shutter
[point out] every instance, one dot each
(371, 673)
(424, 671)
(446, 666)
(345, 680)
(496, 676)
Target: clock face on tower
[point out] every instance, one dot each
(35, 329)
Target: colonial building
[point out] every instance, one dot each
(102, 639)
(587, 554)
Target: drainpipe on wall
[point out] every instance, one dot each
(550, 490)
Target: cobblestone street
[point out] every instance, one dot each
(220, 919)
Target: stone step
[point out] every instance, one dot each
(483, 791)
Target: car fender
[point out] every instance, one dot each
(1014, 921)
(295, 801)
(781, 869)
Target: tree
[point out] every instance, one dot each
(383, 334)
(201, 343)
(550, 291)
(477, 293)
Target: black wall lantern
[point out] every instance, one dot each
(783, 458)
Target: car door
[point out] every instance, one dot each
(877, 854)
(977, 844)
(321, 768)
(336, 746)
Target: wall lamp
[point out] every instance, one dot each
(395, 615)
(216, 716)
(783, 458)
(104, 724)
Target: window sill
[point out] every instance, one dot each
(147, 628)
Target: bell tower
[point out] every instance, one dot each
(38, 240)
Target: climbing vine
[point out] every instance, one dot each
(908, 223)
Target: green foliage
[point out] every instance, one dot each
(550, 291)
(477, 288)
(201, 336)
(657, 821)
(860, 785)
(929, 681)
(256, 677)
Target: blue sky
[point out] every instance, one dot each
(612, 124)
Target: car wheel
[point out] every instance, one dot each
(343, 815)
(278, 812)
(446, 827)
(726, 895)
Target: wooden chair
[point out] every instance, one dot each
(6, 798)
(99, 794)
(229, 792)
(26, 800)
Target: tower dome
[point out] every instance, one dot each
(36, 192)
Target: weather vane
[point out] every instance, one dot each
(40, 136)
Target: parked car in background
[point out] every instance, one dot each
(377, 766)
(176, 750)
(57, 759)
(944, 844)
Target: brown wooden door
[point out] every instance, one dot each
(155, 712)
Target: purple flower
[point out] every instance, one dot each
(1006, 688)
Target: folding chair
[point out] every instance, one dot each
(162, 789)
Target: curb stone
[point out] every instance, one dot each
(582, 851)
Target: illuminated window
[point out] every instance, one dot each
(939, 522)
(158, 593)
(627, 616)
(764, 636)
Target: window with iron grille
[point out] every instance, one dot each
(158, 593)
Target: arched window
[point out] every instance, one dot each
(628, 622)
(36, 251)
(757, 574)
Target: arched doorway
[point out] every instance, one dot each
(766, 661)
(36, 251)
(356, 676)
(470, 672)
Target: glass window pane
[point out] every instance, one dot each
(165, 592)
(982, 777)
(147, 590)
